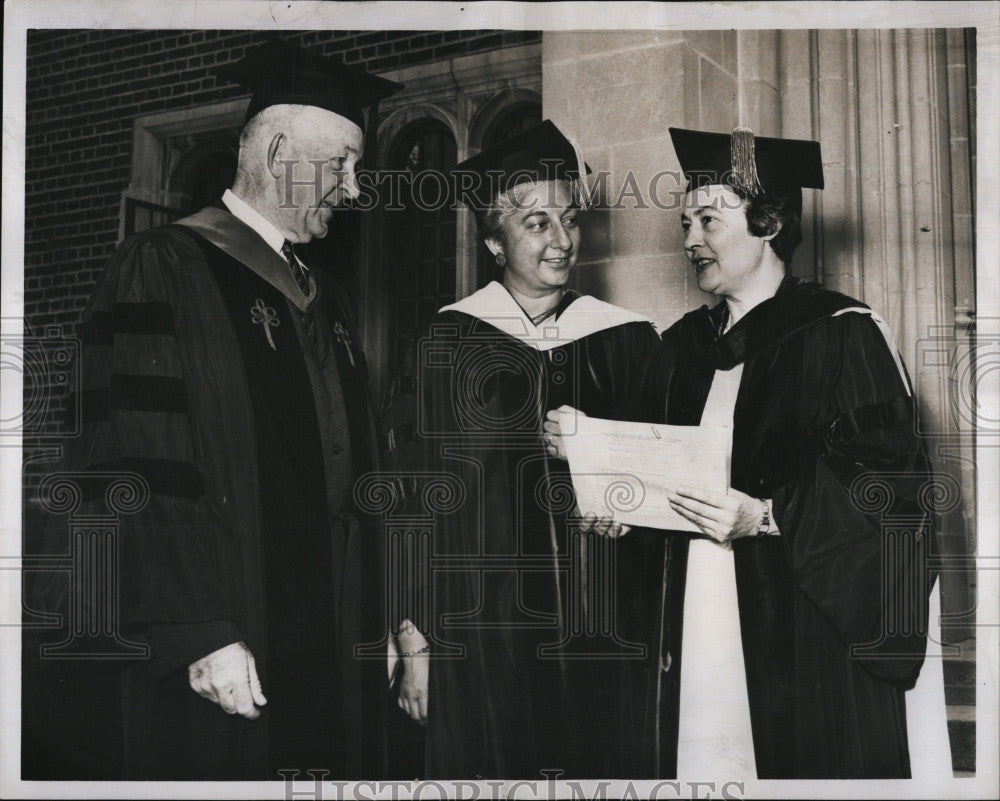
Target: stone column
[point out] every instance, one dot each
(617, 93)
(893, 227)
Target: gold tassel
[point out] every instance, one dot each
(586, 199)
(743, 157)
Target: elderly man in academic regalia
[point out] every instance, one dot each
(224, 371)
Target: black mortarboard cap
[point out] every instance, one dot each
(541, 153)
(280, 72)
(752, 164)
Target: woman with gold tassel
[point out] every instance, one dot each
(805, 621)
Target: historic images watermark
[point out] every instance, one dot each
(411, 503)
(313, 786)
(435, 190)
(47, 365)
(468, 369)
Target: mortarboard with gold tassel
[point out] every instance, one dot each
(751, 164)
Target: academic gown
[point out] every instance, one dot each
(516, 683)
(242, 405)
(824, 425)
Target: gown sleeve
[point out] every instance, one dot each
(135, 419)
(856, 463)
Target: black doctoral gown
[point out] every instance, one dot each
(526, 675)
(833, 611)
(246, 416)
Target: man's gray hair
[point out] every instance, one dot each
(251, 165)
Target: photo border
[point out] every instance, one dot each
(20, 15)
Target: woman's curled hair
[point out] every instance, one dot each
(779, 208)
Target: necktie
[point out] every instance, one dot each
(299, 271)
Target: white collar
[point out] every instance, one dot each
(248, 215)
(584, 316)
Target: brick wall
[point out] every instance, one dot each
(85, 88)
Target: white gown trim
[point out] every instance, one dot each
(926, 714)
(890, 342)
(714, 738)
(587, 315)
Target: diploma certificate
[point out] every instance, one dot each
(625, 470)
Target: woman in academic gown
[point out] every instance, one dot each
(539, 635)
(805, 608)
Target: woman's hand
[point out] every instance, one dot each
(416, 672)
(553, 431)
(605, 525)
(723, 516)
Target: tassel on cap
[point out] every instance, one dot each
(586, 199)
(748, 163)
(743, 158)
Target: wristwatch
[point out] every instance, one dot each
(764, 526)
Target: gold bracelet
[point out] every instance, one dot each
(425, 650)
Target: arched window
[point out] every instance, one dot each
(184, 172)
(421, 248)
(205, 170)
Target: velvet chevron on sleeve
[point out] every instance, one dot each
(136, 418)
(247, 417)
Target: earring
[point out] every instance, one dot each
(501, 259)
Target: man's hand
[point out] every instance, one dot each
(722, 516)
(416, 672)
(228, 677)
